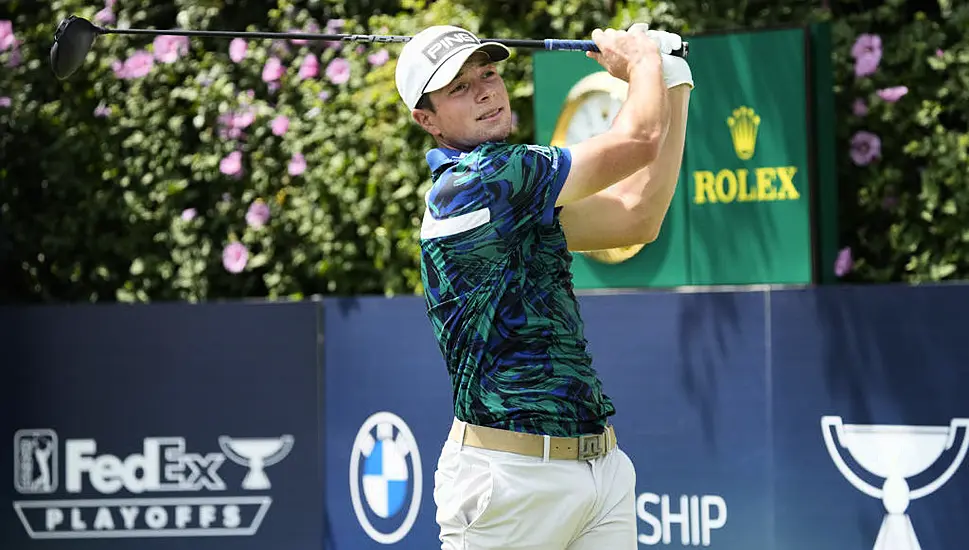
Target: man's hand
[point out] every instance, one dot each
(676, 70)
(620, 51)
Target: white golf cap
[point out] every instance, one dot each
(432, 58)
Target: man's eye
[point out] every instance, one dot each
(489, 74)
(457, 88)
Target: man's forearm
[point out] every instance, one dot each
(652, 188)
(645, 113)
(632, 210)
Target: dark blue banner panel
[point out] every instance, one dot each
(162, 427)
(687, 374)
(828, 418)
(870, 417)
(388, 412)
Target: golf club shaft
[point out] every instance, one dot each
(547, 44)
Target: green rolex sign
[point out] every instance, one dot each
(742, 213)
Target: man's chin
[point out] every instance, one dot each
(500, 133)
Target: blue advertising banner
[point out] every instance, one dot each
(388, 411)
(687, 374)
(870, 417)
(161, 427)
(723, 399)
(828, 418)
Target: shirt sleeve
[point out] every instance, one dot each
(534, 178)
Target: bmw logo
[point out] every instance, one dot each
(385, 478)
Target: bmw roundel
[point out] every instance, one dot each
(385, 478)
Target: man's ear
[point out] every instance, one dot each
(426, 120)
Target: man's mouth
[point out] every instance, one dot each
(492, 114)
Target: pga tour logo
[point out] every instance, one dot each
(116, 488)
(385, 478)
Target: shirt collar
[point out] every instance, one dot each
(442, 155)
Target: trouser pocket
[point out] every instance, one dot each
(464, 484)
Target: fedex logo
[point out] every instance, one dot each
(163, 465)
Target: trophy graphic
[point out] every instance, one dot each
(256, 454)
(895, 453)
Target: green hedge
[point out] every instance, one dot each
(185, 182)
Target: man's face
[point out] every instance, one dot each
(472, 109)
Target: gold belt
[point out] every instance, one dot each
(583, 447)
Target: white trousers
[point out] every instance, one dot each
(491, 499)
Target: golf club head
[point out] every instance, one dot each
(72, 41)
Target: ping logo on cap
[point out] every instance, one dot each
(447, 42)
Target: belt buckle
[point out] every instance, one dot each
(591, 446)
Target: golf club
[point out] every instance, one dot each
(75, 36)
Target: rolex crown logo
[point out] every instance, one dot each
(743, 131)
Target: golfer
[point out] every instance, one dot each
(531, 460)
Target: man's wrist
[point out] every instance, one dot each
(647, 64)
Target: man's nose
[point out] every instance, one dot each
(483, 92)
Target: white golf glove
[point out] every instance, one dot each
(676, 70)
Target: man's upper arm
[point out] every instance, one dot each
(601, 161)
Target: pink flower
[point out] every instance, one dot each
(279, 125)
(324, 95)
(244, 119)
(235, 256)
(297, 165)
(867, 51)
(866, 65)
(309, 68)
(867, 44)
(859, 108)
(5, 101)
(7, 38)
(138, 65)
(169, 48)
(378, 58)
(843, 263)
(102, 110)
(296, 41)
(311, 28)
(939, 53)
(237, 50)
(334, 26)
(258, 214)
(338, 71)
(188, 214)
(272, 70)
(865, 147)
(231, 164)
(892, 94)
(231, 125)
(105, 16)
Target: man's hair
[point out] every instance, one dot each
(425, 103)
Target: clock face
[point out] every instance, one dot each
(593, 115)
